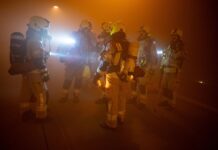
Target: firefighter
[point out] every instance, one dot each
(103, 39)
(79, 58)
(171, 65)
(34, 92)
(88, 46)
(74, 63)
(104, 36)
(118, 66)
(146, 60)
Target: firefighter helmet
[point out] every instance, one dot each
(85, 24)
(116, 27)
(177, 32)
(38, 23)
(144, 30)
(106, 26)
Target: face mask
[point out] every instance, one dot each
(45, 35)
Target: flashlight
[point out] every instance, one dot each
(159, 51)
(58, 54)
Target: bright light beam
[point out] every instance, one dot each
(159, 51)
(58, 54)
(65, 40)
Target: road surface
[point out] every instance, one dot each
(75, 126)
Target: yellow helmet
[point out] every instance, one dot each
(116, 27)
(177, 32)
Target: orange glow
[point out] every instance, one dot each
(65, 16)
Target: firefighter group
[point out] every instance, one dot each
(124, 71)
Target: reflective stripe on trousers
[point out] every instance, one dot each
(117, 91)
(34, 90)
(169, 86)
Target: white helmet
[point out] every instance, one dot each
(177, 32)
(106, 26)
(85, 24)
(37, 23)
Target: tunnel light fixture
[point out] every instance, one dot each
(56, 7)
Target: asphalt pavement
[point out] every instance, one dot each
(75, 126)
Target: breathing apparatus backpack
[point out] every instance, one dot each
(19, 64)
(17, 48)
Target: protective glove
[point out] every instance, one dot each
(97, 76)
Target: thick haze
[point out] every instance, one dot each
(195, 18)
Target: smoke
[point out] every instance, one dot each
(193, 17)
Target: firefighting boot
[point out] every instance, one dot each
(24, 107)
(121, 117)
(41, 112)
(76, 94)
(102, 100)
(172, 104)
(27, 115)
(133, 98)
(163, 103)
(163, 99)
(110, 122)
(64, 96)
